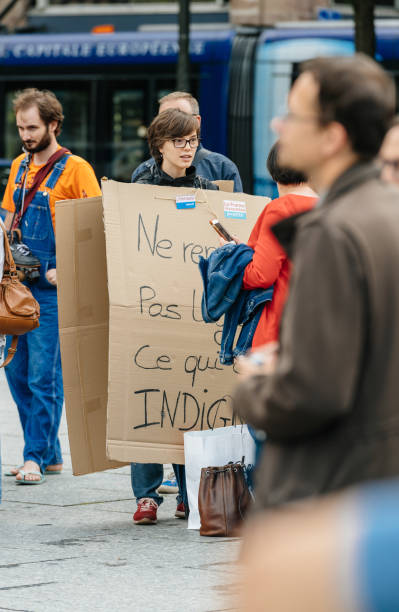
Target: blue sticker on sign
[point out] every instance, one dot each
(185, 201)
(234, 209)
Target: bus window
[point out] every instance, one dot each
(75, 130)
(132, 112)
(163, 88)
(128, 142)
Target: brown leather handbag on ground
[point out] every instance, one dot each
(19, 311)
(223, 499)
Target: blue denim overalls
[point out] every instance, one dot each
(34, 375)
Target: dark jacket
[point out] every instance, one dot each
(212, 166)
(154, 175)
(222, 275)
(331, 409)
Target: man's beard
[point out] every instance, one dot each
(41, 145)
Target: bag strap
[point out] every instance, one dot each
(10, 270)
(12, 349)
(9, 265)
(24, 175)
(39, 178)
(200, 155)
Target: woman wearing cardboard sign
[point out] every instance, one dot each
(173, 138)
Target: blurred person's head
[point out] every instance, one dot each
(39, 118)
(173, 138)
(287, 179)
(339, 111)
(389, 154)
(280, 174)
(182, 100)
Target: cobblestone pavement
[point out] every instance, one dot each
(70, 544)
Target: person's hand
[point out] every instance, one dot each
(51, 276)
(222, 241)
(260, 361)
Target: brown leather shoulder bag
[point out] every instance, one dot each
(19, 311)
(223, 499)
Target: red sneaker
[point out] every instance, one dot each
(180, 511)
(146, 513)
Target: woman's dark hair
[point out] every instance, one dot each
(169, 124)
(357, 93)
(281, 174)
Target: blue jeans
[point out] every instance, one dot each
(34, 375)
(147, 477)
(35, 380)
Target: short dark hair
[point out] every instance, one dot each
(282, 174)
(357, 93)
(169, 124)
(49, 107)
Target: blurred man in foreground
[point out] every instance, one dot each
(339, 554)
(329, 409)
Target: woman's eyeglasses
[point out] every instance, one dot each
(180, 143)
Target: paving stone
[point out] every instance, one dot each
(70, 545)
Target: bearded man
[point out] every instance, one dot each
(40, 177)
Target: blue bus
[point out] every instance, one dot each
(277, 56)
(109, 85)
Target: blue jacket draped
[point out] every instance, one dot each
(222, 274)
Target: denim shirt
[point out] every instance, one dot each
(222, 275)
(214, 167)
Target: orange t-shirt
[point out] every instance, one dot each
(76, 181)
(270, 263)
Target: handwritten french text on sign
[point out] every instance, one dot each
(234, 209)
(164, 372)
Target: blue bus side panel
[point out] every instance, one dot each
(208, 50)
(213, 94)
(121, 48)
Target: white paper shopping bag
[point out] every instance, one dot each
(212, 448)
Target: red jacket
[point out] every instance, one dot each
(270, 263)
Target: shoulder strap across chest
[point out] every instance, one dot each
(57, 171)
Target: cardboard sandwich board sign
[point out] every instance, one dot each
(164, 375)
(83, 320)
